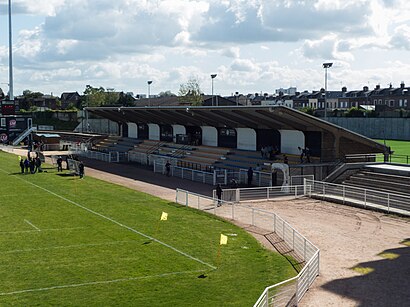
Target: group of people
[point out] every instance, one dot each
(304, 154)
(269, 152)
(30, 165)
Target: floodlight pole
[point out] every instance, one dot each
(326, 66)
(149, 92)
(212, 83)
(11, 95)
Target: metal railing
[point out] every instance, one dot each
(284, 293)
(138, 157)
(111, 157)
(299, 179)
(259, 178)
(261, 193)
(365, 198)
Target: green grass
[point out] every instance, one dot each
(90, 249)
(399, 147)
(401, 151)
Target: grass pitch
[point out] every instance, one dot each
(66, 241)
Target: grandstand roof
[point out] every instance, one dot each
(255, 117)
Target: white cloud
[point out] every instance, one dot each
(401, 37)
(231, 52)
(253, 45)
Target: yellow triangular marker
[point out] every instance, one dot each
(224, 240)
(164, 216)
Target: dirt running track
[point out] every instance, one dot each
(347, 237)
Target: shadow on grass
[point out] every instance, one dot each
(383, 282)
(66, 175)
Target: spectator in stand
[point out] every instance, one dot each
(307, 154)
(285, 159)
(258, 167)
(301, 153)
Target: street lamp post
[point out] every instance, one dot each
(149, 91)
(11, 95)
(326, 66)
(212, 80)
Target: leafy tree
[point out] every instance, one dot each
(126, 100)
(29, 94)
(111, 97)
(190, 92)
(308, 110)
(94, 97)
(166, 94)
(355, 112)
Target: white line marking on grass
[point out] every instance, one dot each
(117, 223)
(65, 247)
(35, 227)
(43, 230)
(98, 282)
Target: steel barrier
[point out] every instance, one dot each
(366, 198)
(286, 293)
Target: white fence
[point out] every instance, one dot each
(366, 198)
(259, 178)
(261, 193)
(111, 157)
(286, 293)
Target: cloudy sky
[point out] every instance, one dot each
(253, 45)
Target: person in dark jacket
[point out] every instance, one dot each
(219, 193)
(250, 175)
(26, 165)
(59, 164)
(22, 165)
(81, 169)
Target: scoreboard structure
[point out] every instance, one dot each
(12, 124)
(8, 107)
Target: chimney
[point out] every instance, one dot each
(365, 88)
(377, 87)
(344, 89)
(402, 84)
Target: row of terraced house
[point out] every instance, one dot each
(379, 99)
(389, 98)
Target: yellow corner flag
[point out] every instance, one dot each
(164, 216)
(224, 240)
(19, 158)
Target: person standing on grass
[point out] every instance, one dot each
(38, 165)
(219, 193)
(32, 166)
(59, 164)
(81, 169)
(22, 165)
(26, 165)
